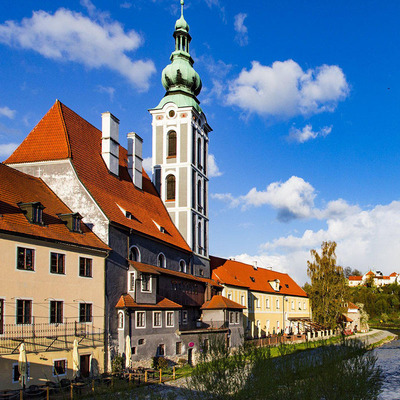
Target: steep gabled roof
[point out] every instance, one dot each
(219, 302)
(17, 187)
(126, 300)
(63, 134)
(235, 273)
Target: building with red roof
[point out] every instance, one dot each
(375, 278)
(273, 301)
(52, 286)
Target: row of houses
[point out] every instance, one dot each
(375, 278)
(95, 250)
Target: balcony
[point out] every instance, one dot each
(44, 337)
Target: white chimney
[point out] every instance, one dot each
(135, 160)
(109, 143)
(255, 265)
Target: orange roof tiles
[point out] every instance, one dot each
(152, 269)
(126, 300)
(355, 278)
(67, 135)
(17, 187)
(219, 302)
(351, 305)
(393, 274)
(235, 273)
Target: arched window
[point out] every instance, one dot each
(134, 254)
(170, 187)
(172, 144)
(199, 207)
(161, 260)
(182, 266)
(199, 153)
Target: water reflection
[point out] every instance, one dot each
(389, 360)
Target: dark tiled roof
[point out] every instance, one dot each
(67, 135)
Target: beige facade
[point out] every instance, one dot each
(268, 313)
(50, 294)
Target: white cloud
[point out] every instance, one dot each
(106, 89)
(217, 4)
(70, 36)
(7, 149)
(284, 90)
(293, 198)
(147, 164)
(7, 112)
(364, 238)
(241, 29)
(307, 133)
(213, 170)
(126, 4)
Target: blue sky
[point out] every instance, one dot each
(302, 97)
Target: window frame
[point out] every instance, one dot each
(163, 264)
(24, 315)
(86, 317)
(159, 315)
(56, 303)
(85, 267)
(170, 187)
(15, 367)
(172, 319)
(172, 144)
(130, 281)
(2, 315)
(65, 367)
(63, 256)
(149, 282)
(121, 320)
(136, 320)
(33, 250)
(185, 317)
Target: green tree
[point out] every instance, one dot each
(328, 290)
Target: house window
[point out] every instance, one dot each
(133, 349)
(184, 317)
(236, 317)
(85, 312)
(140, 319)
(37, 214)
(131, 282)
(170, 187)
(178, 348)
(170, 318)
(267, 302)
(25, 259)
(1, 316)
(201, 271)
(230, 296)
(146, 283)
(24, 311)
(16, 374)
(121, 320)
(257, 302)
(134, 254)
(56, 312)
(161, 260)
(85, 267)
(172, 144)
(304, 305)
(299, 305)
(242, 300)
(231, 317)
(292, 305)
(161, 350)
(157, 319)
(277, 303)
(182, 266)
(141, 342)
(57, 263)
(59, 367)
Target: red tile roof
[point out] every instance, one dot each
(355, 278)
(235, 273)
(152, 269)
(219, 302)
(351, 305)
(369, 273)
(17, 187)
(393, 274)
(126, 300)
(67, 135)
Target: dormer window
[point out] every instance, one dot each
(275, 284)
(72, 221)
(33, 212)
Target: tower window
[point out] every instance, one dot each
(199, 207)
(170, 187)
(161, 260)
(172, 144)
(199, 153)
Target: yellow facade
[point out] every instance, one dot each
(47, 310)
(268, 313)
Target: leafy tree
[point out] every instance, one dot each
(351, 272)
(328, 285)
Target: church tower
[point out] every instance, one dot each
(180, 148)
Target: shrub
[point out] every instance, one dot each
(159, 363)
(117, 364)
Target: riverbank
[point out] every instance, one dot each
(375, 337)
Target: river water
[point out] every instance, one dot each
(389, 360)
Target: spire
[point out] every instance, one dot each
(181, 82)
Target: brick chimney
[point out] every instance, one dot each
(109, 143)
(135, 160)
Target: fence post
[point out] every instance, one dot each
(145, 376)
(21, 394)
(72, 391)
(160, 375)
(93, 385)
(48, 393)
(173, 372)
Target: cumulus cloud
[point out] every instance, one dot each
(213, 170)
(147, 164)
(307, 133)
(7, 112)
(70, 36)
(6, 149)
(285, 90)
(292, 199)
(241, 29)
